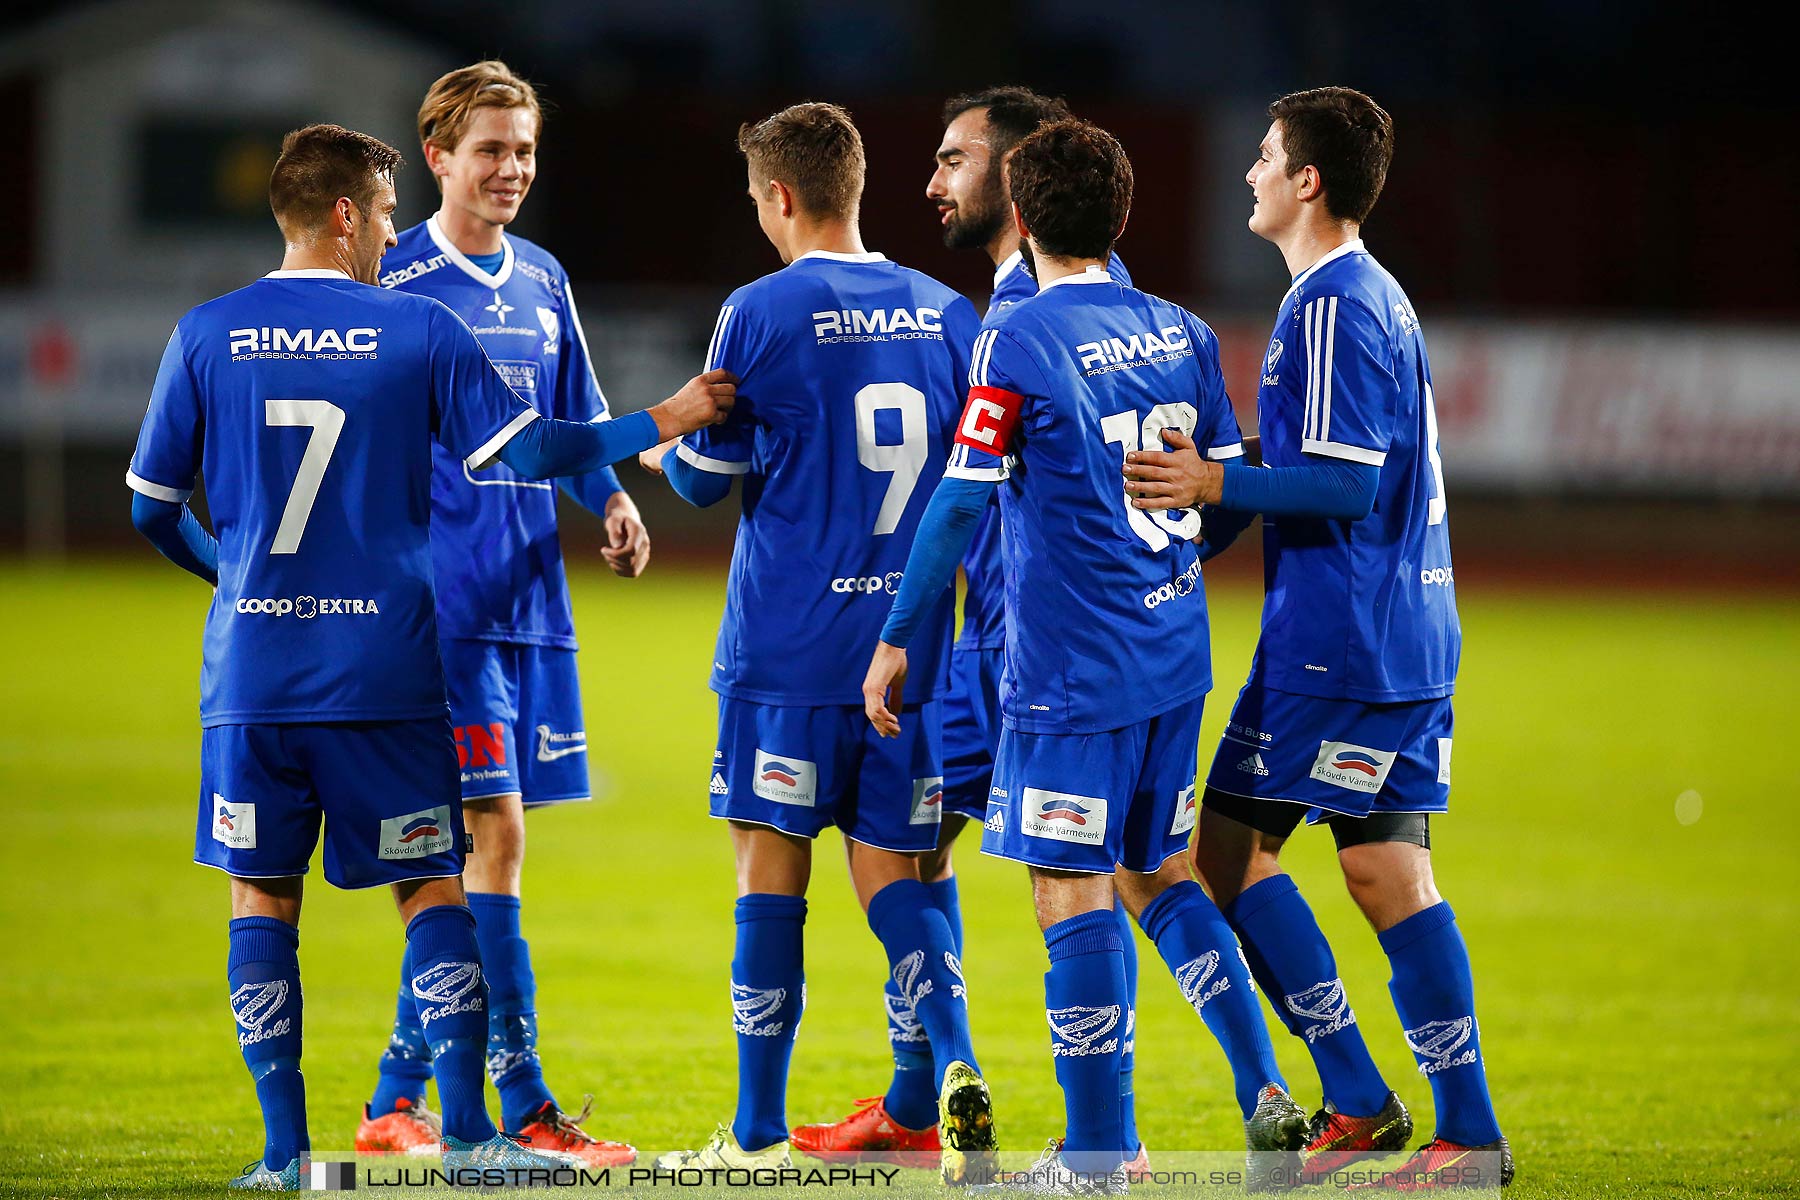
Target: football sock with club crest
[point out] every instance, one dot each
(263, 972)
(923, 964)
(1434, 993)
(1301, 978)
(1127, 1084)
(448, 987)
(768, 994)
(911, 1097)
(1087, 1007)
(406, 1063)
(1199, 947)
(512, 1057)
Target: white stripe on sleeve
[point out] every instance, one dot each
(157, 491)
(717, 466)
(718, 337)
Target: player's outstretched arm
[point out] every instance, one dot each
(945, 532)
(177, 533)
(1324, 488)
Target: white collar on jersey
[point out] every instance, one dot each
(1349, 247)
(1013, 262)
(834, 256)
(496, 280)
(309, 273)
(1092, 273)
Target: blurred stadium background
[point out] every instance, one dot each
(1592, 208)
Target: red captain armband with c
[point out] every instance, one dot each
(988, 419)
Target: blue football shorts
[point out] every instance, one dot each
(516, 712)
(1337, 757)
(1090, 801)
(971, 729)
(804, 769)
(385, 792)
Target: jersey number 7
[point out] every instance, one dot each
(327, 422)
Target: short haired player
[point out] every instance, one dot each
(1346, 718)
(504, 624)
(968, 188)
(309, 400)
(851, 368)
(1107, 660)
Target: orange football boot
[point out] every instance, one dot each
(869, 1131)
(410, 1129)
(551, 1129)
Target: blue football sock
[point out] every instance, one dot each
(263, 972)
(924, 965)
(911, 1094)
(1086, 1003)
(1198, 946)
(949, 902)
(1301, 979)
(768, 992)
(406, 1063)
(512, 1057)
(1127, 1084)
(1434, 993)
(448, 987)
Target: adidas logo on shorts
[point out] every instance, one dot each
(1253, 765)
(995, 821)
(718, 787)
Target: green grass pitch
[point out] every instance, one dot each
(1638, 992)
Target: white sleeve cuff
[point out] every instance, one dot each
(978, 474)
(1219, 453)
(157, 491)
(1373, 458)
(717, 466)
(490, 449)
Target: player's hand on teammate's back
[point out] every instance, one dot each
(1173, 478)
(703, 400)
(882, 687)
(627, 549)
(651, 459)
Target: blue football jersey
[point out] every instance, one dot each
(851, 371)
(1105, 611)
(984, 601)
(1359, 610)
(494, 541)
(308, 402)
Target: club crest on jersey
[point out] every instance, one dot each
(928, 801)
(785, 780)
(1195, 978)
(1358, 768)
(552, 327)
(274, 341)
(877, 325)
(417, 835)
(751, 1009)
(1436, 1043)
(1062, 817)
(254, 1004)
(1186, 812)
(1140, 349)
(1270, 379)
(1082, 1029)
(1326, 1004)
(233, 825)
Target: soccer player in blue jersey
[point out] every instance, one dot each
(1346, 717)
(1107, 660)
(309, 400)
(969, 190)
(851, 370)
(505, 630)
